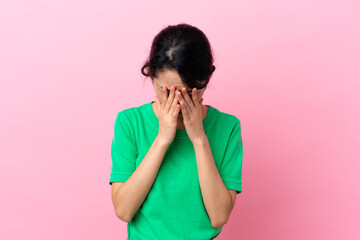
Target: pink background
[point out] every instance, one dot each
(289, 70)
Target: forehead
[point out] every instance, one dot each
(168, 78)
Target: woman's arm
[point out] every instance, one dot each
(217, 199)
(133, 192)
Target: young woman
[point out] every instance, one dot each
(176, 163)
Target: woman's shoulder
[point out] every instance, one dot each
(132, 111)
(225, 117)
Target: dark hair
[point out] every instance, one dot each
(185, 49)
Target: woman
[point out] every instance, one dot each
(176, 163)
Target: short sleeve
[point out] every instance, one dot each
(123, 151)
(231, 167)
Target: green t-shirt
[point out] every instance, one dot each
(173, 208)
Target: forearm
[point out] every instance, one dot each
(134, 191)
(216, 197)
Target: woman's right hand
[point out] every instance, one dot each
(168, 111)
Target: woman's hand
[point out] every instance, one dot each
(192, 114)
(168, 111)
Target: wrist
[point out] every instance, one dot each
(162, 142)
(200, 141)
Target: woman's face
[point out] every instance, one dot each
(168, 78)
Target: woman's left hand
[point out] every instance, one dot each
(192, 114)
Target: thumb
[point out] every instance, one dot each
(157, 102)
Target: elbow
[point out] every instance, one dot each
(122, 216)
(219, 223)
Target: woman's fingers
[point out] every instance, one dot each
(170, 99)
(177, 110)
(164, 97)
(158, 103)
(175, 107)
(188, 100)
(185, 109)
(194, 97)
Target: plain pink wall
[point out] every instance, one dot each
(288, 69)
